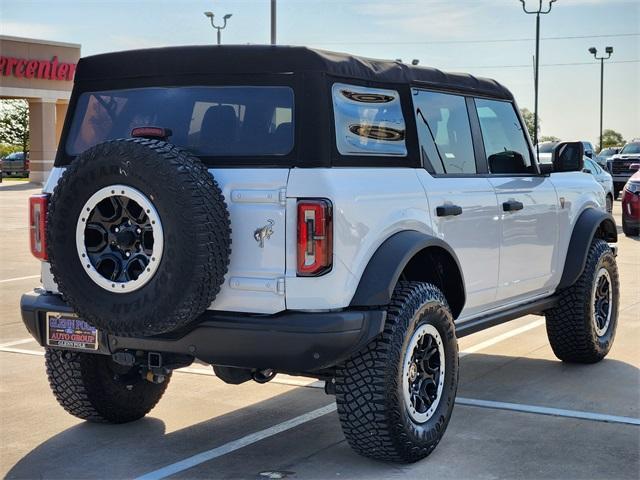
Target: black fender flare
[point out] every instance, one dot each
(590, 222)
(387, 263)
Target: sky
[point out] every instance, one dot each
(489, 38)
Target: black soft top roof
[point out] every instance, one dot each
(267, 59)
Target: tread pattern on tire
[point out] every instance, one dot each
(569, 325)
(368, 382)
(207, 212)
(80, 382)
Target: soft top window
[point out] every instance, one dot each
(368, 121)
(208, 121)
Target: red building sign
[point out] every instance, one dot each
(44, 69)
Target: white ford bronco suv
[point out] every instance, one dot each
(280, 209)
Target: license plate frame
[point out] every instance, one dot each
(67, 330)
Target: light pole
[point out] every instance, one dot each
(210, 16)
(273, 22)
(594, 52)
(538, 12)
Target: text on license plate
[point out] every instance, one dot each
(68, 331)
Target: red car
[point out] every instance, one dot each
(631, 204)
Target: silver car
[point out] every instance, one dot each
(602, 177)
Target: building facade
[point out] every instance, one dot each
(40, 72)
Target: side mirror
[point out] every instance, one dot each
(634, 166)
(568, 157)
(586, 170)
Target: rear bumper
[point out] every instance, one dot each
(287, 342)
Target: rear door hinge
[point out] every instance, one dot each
(281, 286)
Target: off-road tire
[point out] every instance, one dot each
(92, 387)
(197, 236)
(368, 387)
(570, 326)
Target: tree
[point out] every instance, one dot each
(549, 138)
(611, 138)
(528, 118)
(14, 123)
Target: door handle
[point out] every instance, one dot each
(448, 210)
(512, 206)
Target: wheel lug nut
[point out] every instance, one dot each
(127, 254)
(138, 231)
(116, 229)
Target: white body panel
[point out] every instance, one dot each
(369, 205)
(473, 235)
(529, 237)
(507, 257)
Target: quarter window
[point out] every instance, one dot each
(504, 139)
(444, 132)
(368, 121)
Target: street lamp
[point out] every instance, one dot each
(594, 52)
(210, 16)
(538, 12)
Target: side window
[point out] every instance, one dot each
(368, 121)
(505, 143)
(444, 132)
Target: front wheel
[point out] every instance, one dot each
(395, 398)
(581, 328)
(94, 388)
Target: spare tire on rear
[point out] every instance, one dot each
(138, 237)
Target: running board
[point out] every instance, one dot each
(481, 323)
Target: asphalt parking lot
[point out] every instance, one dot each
(521, 413)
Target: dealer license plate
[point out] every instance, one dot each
(66, 330)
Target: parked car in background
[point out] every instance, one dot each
(602, 177)
(15, 165)
(544, 150)
(605, 154)
(631, 204)
(618, 165)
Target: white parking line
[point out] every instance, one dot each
(252, 438)
(16, 279)
(500, 338)
(17, 342)
(39, 353)
(556, 412)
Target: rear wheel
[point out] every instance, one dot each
(396, 397)
(94, 388)
(582, 327)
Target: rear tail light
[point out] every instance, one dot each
(315, 237)
(37, 225)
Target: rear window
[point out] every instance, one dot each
(209, 121)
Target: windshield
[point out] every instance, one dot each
(546, 147)
(631, 148)
(209, 121)
(15, 156)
